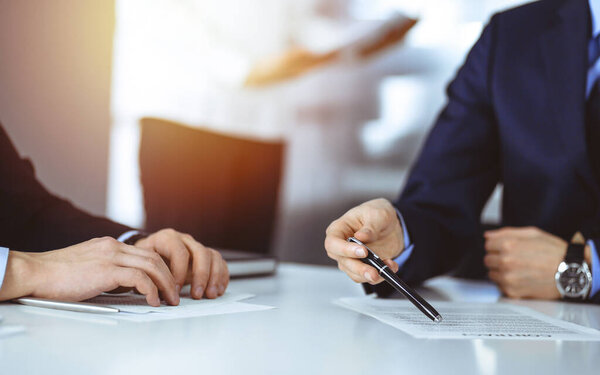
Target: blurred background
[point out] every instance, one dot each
(251, 124)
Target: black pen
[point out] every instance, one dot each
(373, 260)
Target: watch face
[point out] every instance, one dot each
(573, 281)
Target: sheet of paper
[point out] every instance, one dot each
(136, 303)
(462, 320)
(226, 308)
(134, 307)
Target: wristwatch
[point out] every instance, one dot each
(573, 278)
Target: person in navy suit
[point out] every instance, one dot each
(52, 249)
(523, 111)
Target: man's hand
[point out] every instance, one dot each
(87, 269)
(376, 224)
(190, 262)
(523, 261)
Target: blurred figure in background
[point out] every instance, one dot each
(300, 72)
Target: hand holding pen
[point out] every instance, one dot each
(374, 222)
(384, 271)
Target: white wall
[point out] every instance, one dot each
(55, 74)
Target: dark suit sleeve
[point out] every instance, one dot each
(454, 175)
(31, 218)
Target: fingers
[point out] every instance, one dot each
(219, 276)
(510, 239)
(337, 248)
(359, 272)
(374, 222)
(508, 283)
(190, 260)
(492, 261)
(365, 222)
(521, 232)
(504, 244)
(135, 278)
(169, 244)
(179, 261)
(363, 273)
(393, 265)
(210, 275)
(201, 267)
(153, 265)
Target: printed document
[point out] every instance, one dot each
(470, 320)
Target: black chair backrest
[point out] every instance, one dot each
(220, 189)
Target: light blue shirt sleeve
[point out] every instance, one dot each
(127, 235)
(595, 269)
(3, 261)
(408, 246)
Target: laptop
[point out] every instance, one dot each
(245, 264)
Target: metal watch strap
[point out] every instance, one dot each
(575, 253)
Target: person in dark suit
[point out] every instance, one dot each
(61, 252)
(523, 111)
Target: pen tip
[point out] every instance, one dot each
(438, 319)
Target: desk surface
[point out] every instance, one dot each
(306, 334)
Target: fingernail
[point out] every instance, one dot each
(212, 291)
(368, 277)
(198, 291)
(178, 289)
(360, 252)
(221, 289)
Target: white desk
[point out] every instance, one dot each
(306, 334)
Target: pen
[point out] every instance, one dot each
(388, 275)
(69, 306)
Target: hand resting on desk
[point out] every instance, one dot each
(99, 265)
(190, 262)
(523, 261)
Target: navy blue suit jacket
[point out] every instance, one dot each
(33, 219)
(515, 115)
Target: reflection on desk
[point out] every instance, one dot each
(306, 334)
